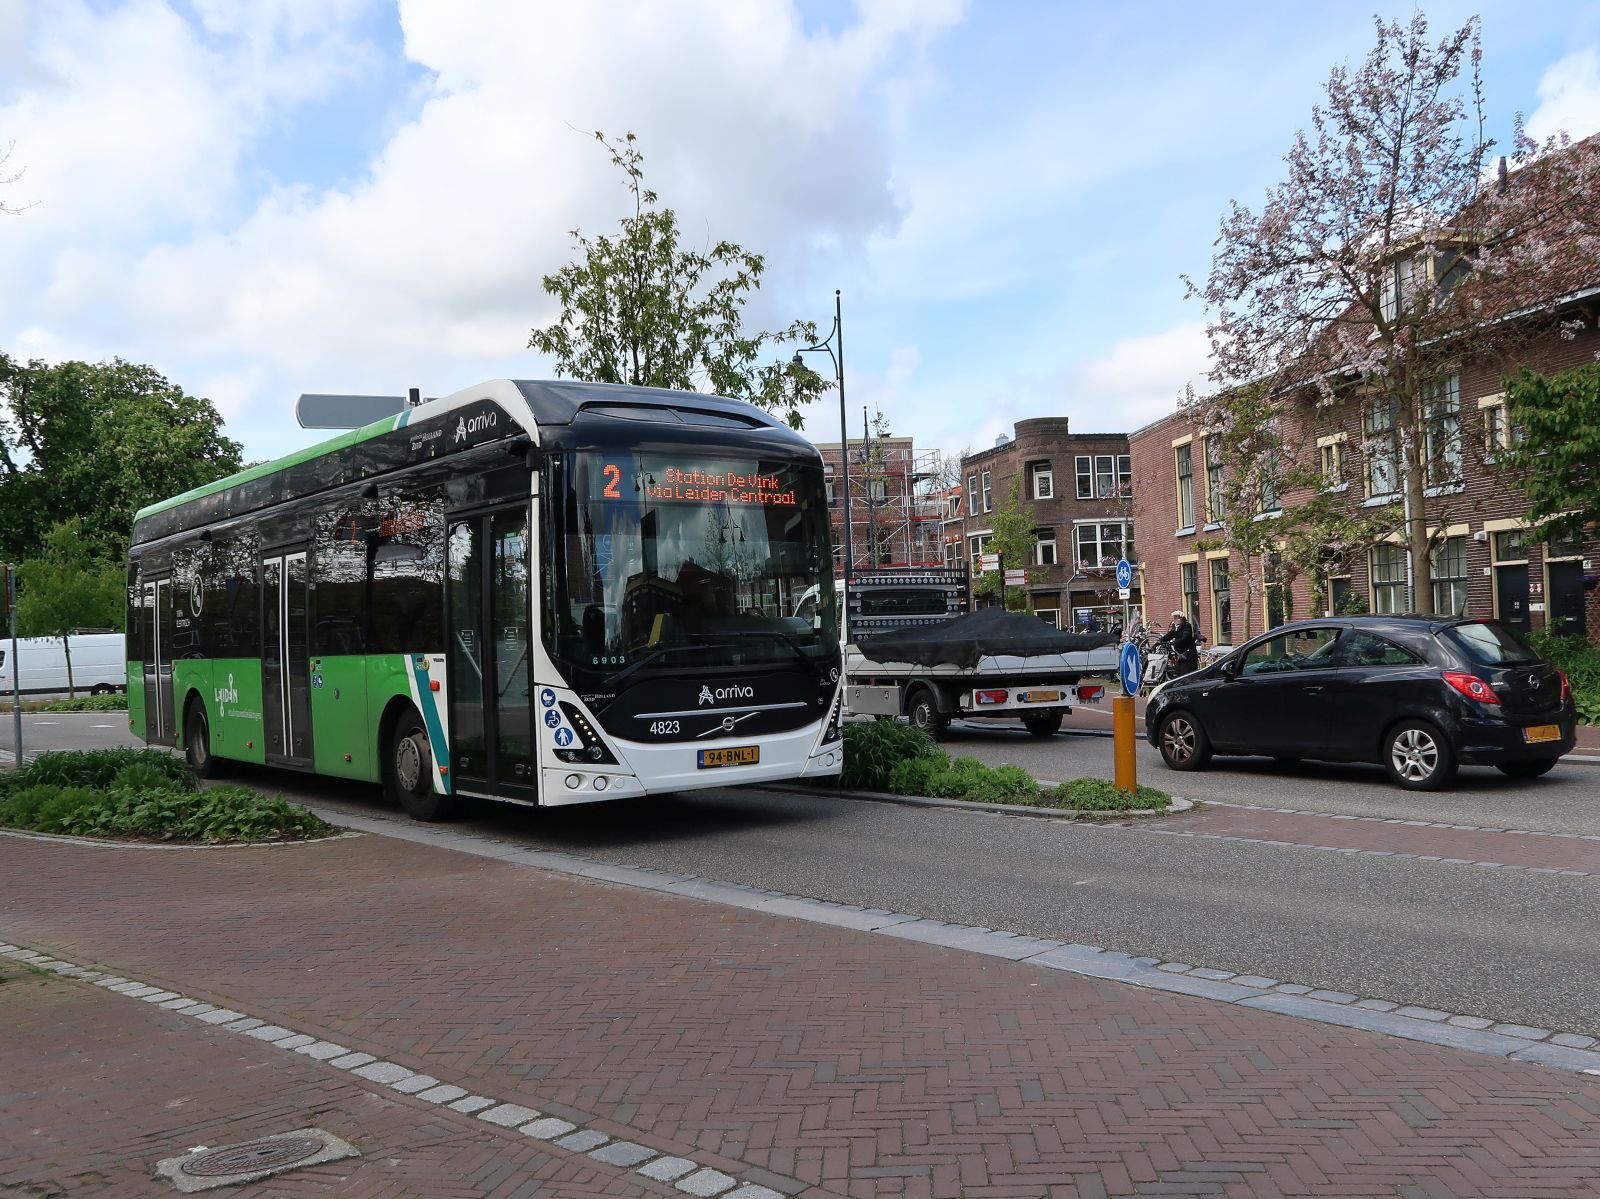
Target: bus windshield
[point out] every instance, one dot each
(688, 559)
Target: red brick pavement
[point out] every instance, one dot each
(98, 1088)
(1510, 848)
(861, 1065)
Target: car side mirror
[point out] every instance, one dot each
(1230, 668)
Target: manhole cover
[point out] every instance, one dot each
(229, 1165)
(250, 1157)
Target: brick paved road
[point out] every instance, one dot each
(854, 1064)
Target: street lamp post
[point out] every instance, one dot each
(833, 346)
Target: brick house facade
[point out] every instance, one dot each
(1076, 488)
(1483, 565)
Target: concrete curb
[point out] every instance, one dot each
(104, 843)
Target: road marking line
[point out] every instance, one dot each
(1460, 828)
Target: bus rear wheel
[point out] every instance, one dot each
(408, 770)
(197, 742)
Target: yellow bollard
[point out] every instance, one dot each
(1125, 744)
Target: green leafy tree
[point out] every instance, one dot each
(97, 442)
(1557, 462)
(1014, 539)
(66, 587)
(638, 309)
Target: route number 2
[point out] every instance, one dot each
(613, 476)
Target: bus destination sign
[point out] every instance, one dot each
(696, 486)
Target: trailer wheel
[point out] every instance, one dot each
(1042, 724)
(922, 709)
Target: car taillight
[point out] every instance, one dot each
(1566, 687)
(1471, 686)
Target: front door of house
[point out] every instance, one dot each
(1511, 595)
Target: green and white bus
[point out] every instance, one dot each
(542, 592)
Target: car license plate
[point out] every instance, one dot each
(1040, 697)
(734, 755)
(1542, 732)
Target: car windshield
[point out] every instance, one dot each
(1488, 644)
(699, 558)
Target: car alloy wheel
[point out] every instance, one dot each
(1184, 745)
(1415, 755)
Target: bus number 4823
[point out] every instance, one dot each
(663, 728)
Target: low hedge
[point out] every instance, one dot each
(892, 757)
(86, 703)
(146, 794)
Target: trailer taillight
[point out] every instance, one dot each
(990, 697)
(1091, 695)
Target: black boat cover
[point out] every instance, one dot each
(962, 640)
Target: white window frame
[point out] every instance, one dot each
(1043, 482)
(1102, 559)
(1442, 449)
(1084, 465)
(987, 494)
(1392, 588)
(1044, 551)
(1185, 509)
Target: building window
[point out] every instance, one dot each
(1388, 579)
(1105, 476)
(1267, 498)
(1448, 562)
(1222, 601)
(1381, 449)
(1189, 579)
(1441, 407)
(1044, 549)
(1498, 434)
(1216, 502)
(1273, 590)
(1124, 476)
(1332, 452)
(1043, 482)
(1085, 465)
(832, 498)
(953, 506)
(987, 507)
(1510, 546)
(972, 490)
(978, 543)
(1102, 544)
(1185, 461)
(878, 490)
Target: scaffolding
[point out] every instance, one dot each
(897, 511)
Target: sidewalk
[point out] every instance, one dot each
(769, 1056)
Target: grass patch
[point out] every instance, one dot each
(145, 794)
(884, 756)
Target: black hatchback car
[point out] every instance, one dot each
(1421, 695)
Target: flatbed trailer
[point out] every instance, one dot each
(936, 664)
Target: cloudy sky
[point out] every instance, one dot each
(264, 197)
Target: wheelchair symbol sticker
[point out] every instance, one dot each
(563, 737)
(547, 697)
(553, 718)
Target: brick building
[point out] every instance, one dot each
(1076, 487)
(896, 518)
(1483, 563)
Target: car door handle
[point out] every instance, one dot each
(1311, 690)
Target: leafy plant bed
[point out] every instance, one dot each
(84, 703)
(143, 794)
(892, 757)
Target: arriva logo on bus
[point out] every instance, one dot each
(475, 424)
(708, 696)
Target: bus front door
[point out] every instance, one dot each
(158, 714)
(490, 612)
(285, 659)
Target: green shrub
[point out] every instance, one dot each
(873, 749)
(143, 793)
(100, 767)
(87, 703)
(1102, 795)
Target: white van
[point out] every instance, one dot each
(99, 666)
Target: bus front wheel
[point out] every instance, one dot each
(408, 770)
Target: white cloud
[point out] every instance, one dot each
(424, 267)
(1139, 379)
(1569, 97)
